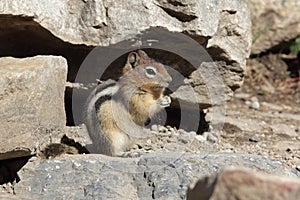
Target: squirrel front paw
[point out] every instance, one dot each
(164, 101)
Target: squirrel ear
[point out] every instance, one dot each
(132, 59)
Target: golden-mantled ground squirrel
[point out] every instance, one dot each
(116, 112)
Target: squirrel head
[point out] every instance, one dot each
(144, 72)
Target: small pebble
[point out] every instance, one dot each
(171, 130)
(162, 129)
(255, 105)
(200, 138)
(147, 147)
(254, 138)
(175, 133)
(154, 127)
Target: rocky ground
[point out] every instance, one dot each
(269, 103)
(272, 130)
(261, 129)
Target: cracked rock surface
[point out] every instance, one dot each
(147, 177)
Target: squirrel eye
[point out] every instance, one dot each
(150, 71)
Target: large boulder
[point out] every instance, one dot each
(239, 183)
(222, 28)
(153, 176)
(31, 102)
(274, 22)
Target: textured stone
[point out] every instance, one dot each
(159, 176)
(7, 196)
(239, 183)
(31, 100)
(274, 22)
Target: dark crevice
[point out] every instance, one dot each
(10, 167)
(174, 119)
(11, 162)
(219, 55)
(202, 40)
(293, 62)
(181, 16)
(282, 47)
(231, 12)
(293, 66)
(153, 190)
(176, 3)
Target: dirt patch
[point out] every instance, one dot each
(272, 127)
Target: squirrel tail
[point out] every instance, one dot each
(66, 146)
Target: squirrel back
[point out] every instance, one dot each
(99, 95)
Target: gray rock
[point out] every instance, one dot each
(155, 127)
(31, 100)
(273, 23)
(201, 138)
(240, 183)
(223, 28)
(254, 105)
(159, 176)
(254, 138)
